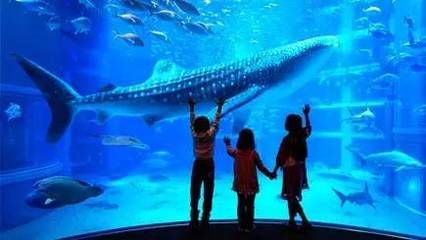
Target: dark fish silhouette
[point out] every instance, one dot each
(359, 198)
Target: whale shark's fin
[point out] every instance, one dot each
(239, 100)
(57, 93)
(163, 71)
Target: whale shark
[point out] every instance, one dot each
(164, 97)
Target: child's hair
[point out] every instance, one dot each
(293, 123)
(246, 140)
(201, 124)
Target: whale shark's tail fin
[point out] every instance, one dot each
(57, 93)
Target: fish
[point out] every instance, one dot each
(367, 117)
(384, 82)
(87, 4)
(156, 99)
(226, 11)
(129, 141)
(160, 35)
(166, 15)
(81, 25)
(362, 22)
(372, 10)
(54, 23)
(59, 191)
(417, 45)
(270, 5)
(401, 60)
(186, 7)
(418, 67)
(358, 198)
(13, 111)
(379, 31)
(150, 6)
(164, 154)
(130, 18)
(392, 159)
(131, 38)
(420, 110)
(348, 176)
(41, 7)
(196, 27)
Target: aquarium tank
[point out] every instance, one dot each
(94, 96)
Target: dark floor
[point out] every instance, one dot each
(227, 230)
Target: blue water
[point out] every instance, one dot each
(367, 97)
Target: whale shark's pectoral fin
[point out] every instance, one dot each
(240, 99)
(102, 117)
(152, 119)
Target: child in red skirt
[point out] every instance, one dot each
(291, 158)
(245, 176)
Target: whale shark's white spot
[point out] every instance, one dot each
(202, 89)
(164, 99)
(190, 94)
(178, 96)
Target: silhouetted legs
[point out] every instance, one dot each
(202, 173)
(245, 211)
(295, 208)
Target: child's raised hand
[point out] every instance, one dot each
(191, 101)
(227, 140)
(306, 109)
(220, 101)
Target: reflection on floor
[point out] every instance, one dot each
(143, 199)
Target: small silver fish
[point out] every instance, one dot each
(130, 18)
(131, 38)
(186, 7)
(81, 25)
(165, 15)
(13, 111)
(372, 9)
(87, 4)
(53, 23)
(160, 35)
